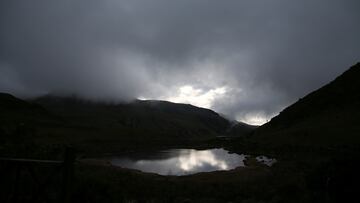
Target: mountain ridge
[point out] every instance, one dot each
(323, 115)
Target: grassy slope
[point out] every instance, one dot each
(251, 184)
(15, 111)
(94, 183)
(303, 174)
(327, 116)
(18, 116)
(96, 126)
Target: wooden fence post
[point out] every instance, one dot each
(68, 174)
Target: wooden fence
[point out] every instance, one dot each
(28, 180)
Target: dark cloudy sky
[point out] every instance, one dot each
(246, 59)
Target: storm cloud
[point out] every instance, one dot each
(245, 59)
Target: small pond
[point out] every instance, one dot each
(184, 161)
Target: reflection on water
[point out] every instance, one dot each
(183, 161)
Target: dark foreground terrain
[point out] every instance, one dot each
(316, 142)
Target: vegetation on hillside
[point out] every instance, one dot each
(326, 117)
(316, 142)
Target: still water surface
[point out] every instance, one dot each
(183, 161)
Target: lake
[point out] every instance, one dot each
(184, 161)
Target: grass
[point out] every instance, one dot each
(242, 184)
(300, 175)
(316, 142)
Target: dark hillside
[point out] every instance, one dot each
(329, 115)
(138, 123)
(240, 129)
(14, 111)
(157, 117)
(94, 125)
(19, 122)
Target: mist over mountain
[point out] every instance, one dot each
(263, 55)
(180, 101)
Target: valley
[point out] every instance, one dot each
(315, 142)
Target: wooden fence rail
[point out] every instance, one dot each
(33, 169)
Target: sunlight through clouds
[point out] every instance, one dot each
(255, 118)
(119, 51)
(197, 97)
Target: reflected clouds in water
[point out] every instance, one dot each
(198, 159)
(183, 161)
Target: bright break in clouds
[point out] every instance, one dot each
(244, 59)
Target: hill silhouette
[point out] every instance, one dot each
(138, 117)
(327, 116)
(15, 111)
(90, 124)
(19, 120)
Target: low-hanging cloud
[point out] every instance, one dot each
(265, 54)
